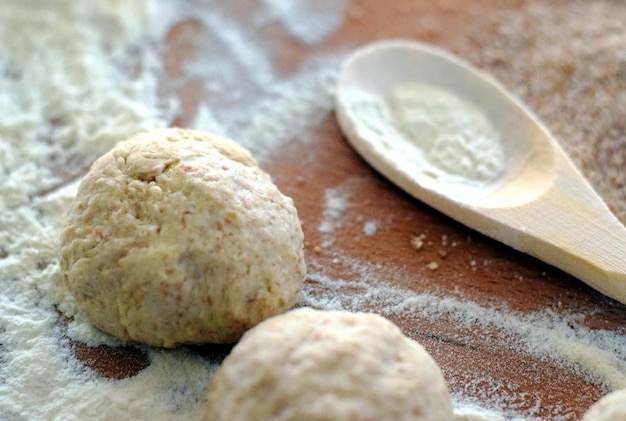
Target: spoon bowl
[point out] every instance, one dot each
(452, 137)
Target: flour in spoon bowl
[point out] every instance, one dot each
(430, 135)
(456, 139)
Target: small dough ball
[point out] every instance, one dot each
(611, 407)
(327, 365)
(177, 237)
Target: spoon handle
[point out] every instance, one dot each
(569, 227)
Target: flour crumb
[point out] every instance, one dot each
(370, 227)
(433, 265)
(335, 204)
(417, 241)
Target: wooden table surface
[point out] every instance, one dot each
(477, 359)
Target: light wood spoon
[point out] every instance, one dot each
(539, 204)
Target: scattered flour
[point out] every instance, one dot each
(417, 241)
(309, 21)
(472, 412)
(335, 203)
(286, 111)
(75, 79)
(370, 227)
(598, 354)
(432, 265)
(58, 105)
(244, 98)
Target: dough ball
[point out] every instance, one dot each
(177, 237)
(316, 365)
(611, 407)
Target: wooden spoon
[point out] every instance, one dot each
(536, 201)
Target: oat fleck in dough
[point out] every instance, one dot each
(311, 365)
(177, 237)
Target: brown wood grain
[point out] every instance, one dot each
(508, 279)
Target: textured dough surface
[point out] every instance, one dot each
(177, 236)
(611, 407)
(328, 365)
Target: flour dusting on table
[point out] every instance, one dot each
(596, 354)
(76, 77)
(309, 21)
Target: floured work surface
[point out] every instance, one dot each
(513, 336)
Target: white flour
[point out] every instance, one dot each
(370, 227)
(335, 203)
(245, 99)
(599, 355)
(429, 130)
(75, 77)
(309, 21)
(456, 139)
